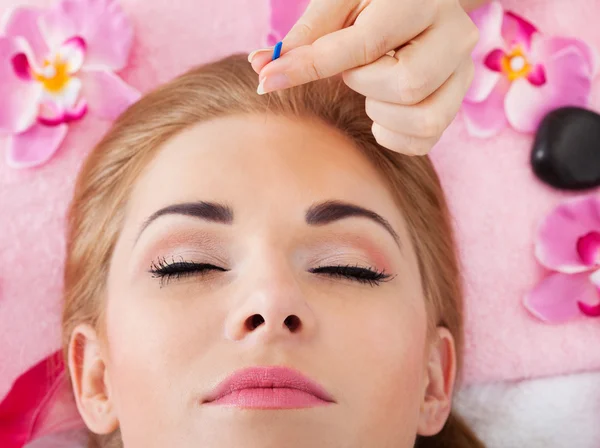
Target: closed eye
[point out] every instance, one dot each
(359, 274)
(176, 270)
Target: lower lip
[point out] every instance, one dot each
(269, 398)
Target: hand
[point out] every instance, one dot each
(411, 59)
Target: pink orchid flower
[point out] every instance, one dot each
(39, 404)
(521, 75)
(568, 243)
(55, 66)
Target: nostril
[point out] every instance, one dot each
(255, 321)
(292, 323)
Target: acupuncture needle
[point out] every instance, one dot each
(276, 55)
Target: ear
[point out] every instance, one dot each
(87, 367)
(439, 384)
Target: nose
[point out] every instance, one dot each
(272, 308)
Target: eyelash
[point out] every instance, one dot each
(370, 276)
(176, 270)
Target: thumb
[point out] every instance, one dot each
(321, 17)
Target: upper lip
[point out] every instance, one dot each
(267, 377)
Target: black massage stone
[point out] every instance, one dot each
(566, 152)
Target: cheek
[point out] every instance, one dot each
(153, 341)
(384, 365)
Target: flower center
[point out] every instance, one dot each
(515, 64)
(54, 75)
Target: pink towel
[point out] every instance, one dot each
(498, 204)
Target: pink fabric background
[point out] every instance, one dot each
(496, 201)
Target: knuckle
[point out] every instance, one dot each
(303, 30)
(423, 148)
(313, 67)
(418, 146)
(430, 125)
(410, 86)
(374, 47)
(315, 72)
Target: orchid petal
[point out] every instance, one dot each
(589, 310)
(21, 66)
(489, 21)
(595, 278)
(568, 84)
(537, 76)
(107, 95)
(547, 48)
(77, 112)
(484, 82)
(70, 93)
(35, 146)
(493, 61)
(73, 53)
(588, 248)
(556, 298)
(51, 114)
(101, 23)
(39, 403)
(517, 31)
(23, 22)
(487, 118)
(65, 107)
(556, 245)
(19, 97)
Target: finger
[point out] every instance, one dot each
(429, 118)
(260, 58)
(374, 33)
(320, 17)
(419, 68)
(404, 144)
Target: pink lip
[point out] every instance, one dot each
(268, 388)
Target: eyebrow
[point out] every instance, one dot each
(331, 211)
(207, 211)
(317, 215)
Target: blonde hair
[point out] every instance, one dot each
(228, 87)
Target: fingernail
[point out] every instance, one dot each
(261, 87)
(255, 52)
(271, 83)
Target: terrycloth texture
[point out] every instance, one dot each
(495, 200)
(497, 204)
(558, 412)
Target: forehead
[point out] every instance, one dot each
(252, 160)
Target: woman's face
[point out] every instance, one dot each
(265, 248)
